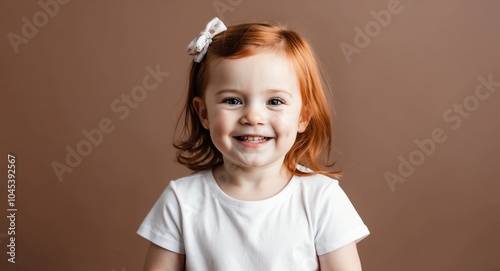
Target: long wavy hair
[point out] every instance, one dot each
(195, 147)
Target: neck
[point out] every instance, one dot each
(253, 183)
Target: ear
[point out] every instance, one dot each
(201, 109)
(305, 117)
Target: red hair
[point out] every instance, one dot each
(196, 150)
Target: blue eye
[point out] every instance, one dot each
(232, 101)
(275, 101)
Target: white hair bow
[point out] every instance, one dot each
(199, 46)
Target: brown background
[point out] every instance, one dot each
(444, 216)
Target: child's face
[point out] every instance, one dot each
(252, 108)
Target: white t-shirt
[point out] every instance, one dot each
(311, 216)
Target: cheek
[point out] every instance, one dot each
(220, 121)
(286, 122)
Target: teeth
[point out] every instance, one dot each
(253, 138)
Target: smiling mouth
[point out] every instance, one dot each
(253, 139)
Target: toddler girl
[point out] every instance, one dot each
(255, 122)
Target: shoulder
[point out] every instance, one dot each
(190, 186)
(316, 181)
(189, 180)
(318, 189)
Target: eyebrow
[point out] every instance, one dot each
(267, 91)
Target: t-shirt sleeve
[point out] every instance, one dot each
(338, 223)
(162, 225)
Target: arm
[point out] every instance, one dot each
(342, 259)
(160, 259)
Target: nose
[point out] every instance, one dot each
(253, 115)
